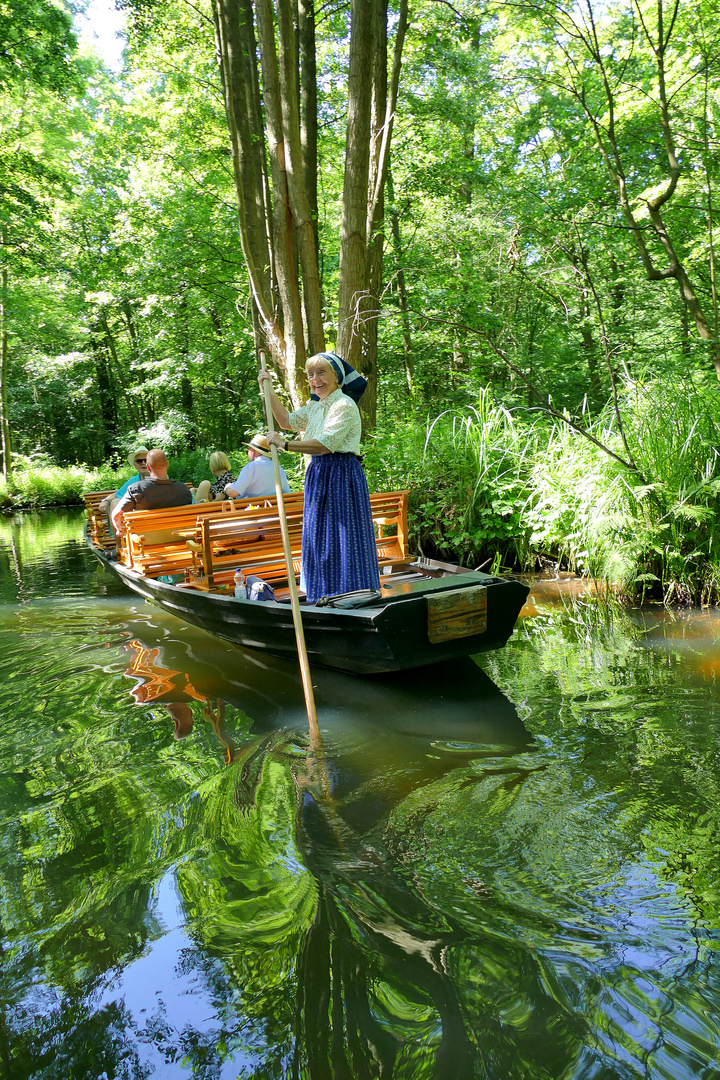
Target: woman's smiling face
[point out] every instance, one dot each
(323, 380)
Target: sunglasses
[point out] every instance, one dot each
(140, 461)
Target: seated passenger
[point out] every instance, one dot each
(257, 477)
(220, 468)
(152, 494)
(136, 459)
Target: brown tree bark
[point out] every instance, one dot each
(401, 285)
(145, 405)
(282, 222)
(108, 403)
(113, 353)
(236, 51)
(302, 213)
(371, 111)
(352, 288)
(375, 218)
(284, 133)
(309, 129)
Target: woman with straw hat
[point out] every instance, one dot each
(339, 553)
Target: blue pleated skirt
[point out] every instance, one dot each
(339, 553)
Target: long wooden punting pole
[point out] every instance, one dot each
(294, 600)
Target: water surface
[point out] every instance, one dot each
(505, 868)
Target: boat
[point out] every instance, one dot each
(426, 611)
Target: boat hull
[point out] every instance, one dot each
(382, 637)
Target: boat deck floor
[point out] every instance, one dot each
(390, 577)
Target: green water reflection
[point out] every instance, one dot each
(503, 873)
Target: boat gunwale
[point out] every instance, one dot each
(447, 582)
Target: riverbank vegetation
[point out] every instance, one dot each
(533, 297)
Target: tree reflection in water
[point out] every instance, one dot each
(434, 894)
(368, 957)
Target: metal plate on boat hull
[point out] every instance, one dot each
(457, 614)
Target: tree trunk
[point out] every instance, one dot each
(591, 358)
(352, 288)
(302, 213)
(402, 286)
(112, 351)
(309, 130)
(376, 215)
(186, 400)
(108, 404)
(282, 231)
(146, 412)
(4, 423)
(186, 390)
(287, 126)
(371, 109)
(684, 327)
(466, 184)
(236, 52)
(227, 385)
(588, 340)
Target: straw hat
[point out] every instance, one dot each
(138, 452)
(260, 444)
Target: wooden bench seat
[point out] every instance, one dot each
(156, 541)
(206, 542)
(98, 525)
(101, 532)
(253, 540)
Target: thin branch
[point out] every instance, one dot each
(200, 13)
(453, 9)
(533, 390)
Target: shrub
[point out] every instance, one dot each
(50, 485)
(653, 527)
(466, 476)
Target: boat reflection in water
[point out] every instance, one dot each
(172, 689)
(314, 916)
(452, 707)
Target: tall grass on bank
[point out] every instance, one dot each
(34, 485)
(467, 477)
(523, 490)
(656, 528)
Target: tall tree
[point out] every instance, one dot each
(273, 154)
(36, 50)
(635, 72)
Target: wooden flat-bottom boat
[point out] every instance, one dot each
(425, 611)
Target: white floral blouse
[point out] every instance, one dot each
(335, 422)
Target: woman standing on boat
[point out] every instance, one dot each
(339, 553)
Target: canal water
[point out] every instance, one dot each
(505, 868)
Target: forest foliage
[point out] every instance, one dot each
(542, 341)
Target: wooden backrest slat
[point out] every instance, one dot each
(137, 549)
